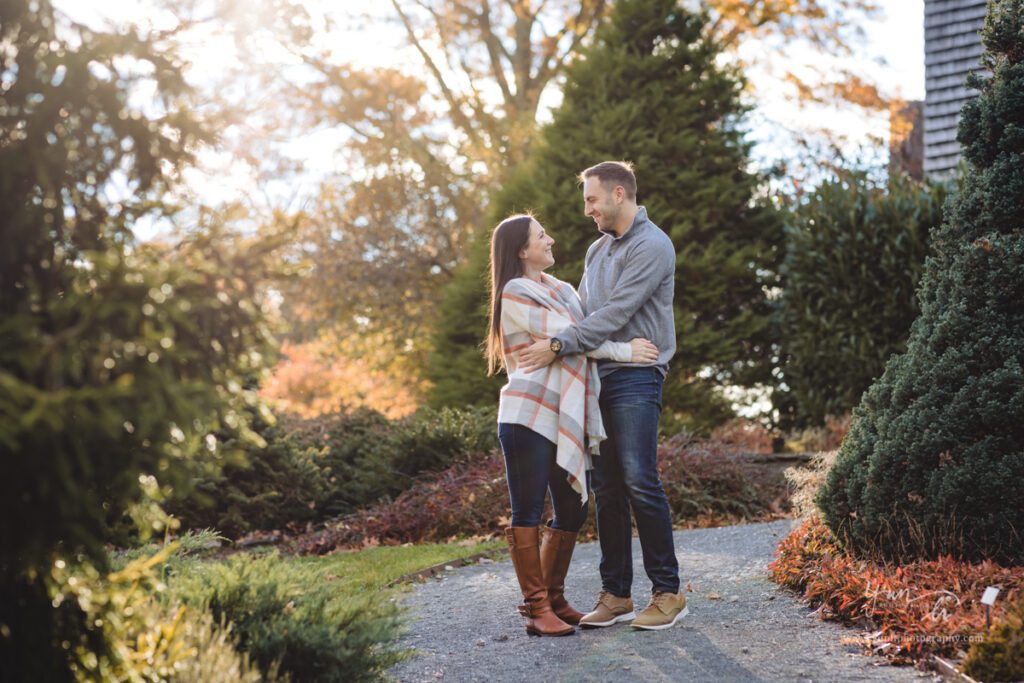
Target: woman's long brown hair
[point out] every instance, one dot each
(509, 238)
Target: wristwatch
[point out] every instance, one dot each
(556, 345)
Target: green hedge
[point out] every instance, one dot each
(270, 487)
(855, 250)
(368, 457)
(332, 465)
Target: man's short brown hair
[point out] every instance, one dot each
(615, 173)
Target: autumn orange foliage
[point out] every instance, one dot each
(912, 610)
(315, 378)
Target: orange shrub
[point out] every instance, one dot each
(914, 610)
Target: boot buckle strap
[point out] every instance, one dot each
(533, 611)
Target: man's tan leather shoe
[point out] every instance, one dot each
(664, 611)
(610, 609)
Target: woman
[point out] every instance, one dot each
(549, 422)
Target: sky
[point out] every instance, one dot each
(900, 40)
(893, 55)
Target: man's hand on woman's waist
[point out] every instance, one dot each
(539, 354)
(536, 356)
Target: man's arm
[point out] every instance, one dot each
(641, 275)
(646, 268)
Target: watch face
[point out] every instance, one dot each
(556, 345)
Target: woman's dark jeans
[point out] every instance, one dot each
(532, 471)
(626, 477)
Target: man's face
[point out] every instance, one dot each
(599, 203)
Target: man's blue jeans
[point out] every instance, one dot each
(626, 477)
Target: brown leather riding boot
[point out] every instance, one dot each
(524, 547)
(556, 548)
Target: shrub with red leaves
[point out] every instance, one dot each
(744, 436)
(707, 485)
(915, 610)
(827, 437)
(468, 498)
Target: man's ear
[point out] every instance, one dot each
(620, 194)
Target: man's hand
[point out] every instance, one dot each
(536, 356)
(643, 351)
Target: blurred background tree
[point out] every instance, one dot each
(855, 249)
(426, 148)
(649, 90)
(119, 361)
(376, 244)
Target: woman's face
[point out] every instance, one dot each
(536, 255)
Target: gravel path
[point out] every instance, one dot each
(464, 625)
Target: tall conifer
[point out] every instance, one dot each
(649, 90)
(934, 462)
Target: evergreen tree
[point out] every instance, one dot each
(854, 253)
(457, 371)
(649, 90)
(934, 462)
(118, 361)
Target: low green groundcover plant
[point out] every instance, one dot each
(308, 619)
(290, 618)
(999, 656)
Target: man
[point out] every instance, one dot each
(627, 289)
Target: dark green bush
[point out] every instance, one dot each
(368, 457)
(358, 449)
(854, 253)
(433, 439)
(331, 465)
(280, 484)
(934, 461)
(289, 616)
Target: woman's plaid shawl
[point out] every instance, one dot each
(558, 402)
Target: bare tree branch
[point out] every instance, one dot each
(453, 102)
(494, 50)
(580, 26)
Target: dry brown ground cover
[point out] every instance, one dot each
(908, 611)
(709, 482)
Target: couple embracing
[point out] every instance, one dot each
(585, 374)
